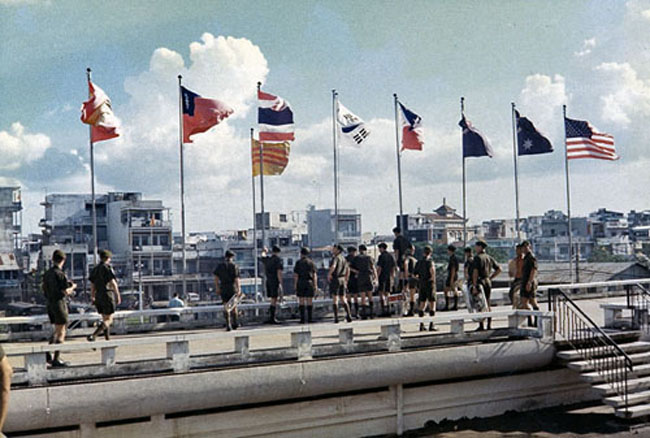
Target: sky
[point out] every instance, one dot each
(593, 56)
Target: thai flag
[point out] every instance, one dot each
(201, 114)
(275, 119)
(411, 130)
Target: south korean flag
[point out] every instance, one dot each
(353, 130)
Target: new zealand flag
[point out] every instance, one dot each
(475, 144)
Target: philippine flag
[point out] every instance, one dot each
(411, 130)
(200, 113)
(275, 119)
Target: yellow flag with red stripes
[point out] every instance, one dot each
(274, 156)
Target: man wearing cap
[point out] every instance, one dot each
(386, 273)
(57, 288)
(400, 246)
(364, 268)
(528, 289)
(104, 293)
(411, 282)
(425, 271)
(452, 278)
(336, 279)
(273, 268)
(304, 283)
(226, 281)
(484, 270)
(351, 281)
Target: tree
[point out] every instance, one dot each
(499, 254)
(603, 255)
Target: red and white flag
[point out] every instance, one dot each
(584, 141)
(97, 112)
(412, 137)
(201, 113)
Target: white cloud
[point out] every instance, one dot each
(542, 98)
(587, 47)
(625, 96)
(646, 14)
(18, 147)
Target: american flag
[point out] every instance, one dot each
(584, 141)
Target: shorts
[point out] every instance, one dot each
(426, 293)
(57, 311)
(305, 290)
(364, 286)
(272, 289)
(412, 282)
(337, 287)
(487, 289)
(384, 285)
(353, 286)
(105, 304)
(528, 294)
(227, 295)
(451, 282)
(514, 287)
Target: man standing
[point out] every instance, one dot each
(176, 303)
(364, 268)
(452, 278)
(6, 372)
(351, 280)
(410, 283)
(226, 282)
(484, 270)
(304, 283)
(104, 293)
(400, 246)
(273, 269)
(336, 280)
(57, 288)
(514, 272)
(386, 273)
(528, 280)
(425, 271)
(467, 278)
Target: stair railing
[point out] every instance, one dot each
(638, 300)
(594, 345)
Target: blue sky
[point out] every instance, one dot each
(592, 55)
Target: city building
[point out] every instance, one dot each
(10, 231)
(321, 225)
(442, 226)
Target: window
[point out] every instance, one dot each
(289, 262)
(283, 218)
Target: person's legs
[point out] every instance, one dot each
(346, 306)
(335, 306)
(6, 372)
(273, 309)
(59, 338)
(310, 310)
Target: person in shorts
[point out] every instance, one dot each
(304, 283)
(400, 246)
(386, 272)
(364, 267)
(514, 272)
(104, 293)
(425, 272)
(452, 279)
(273, 269)
(484, 270)
(529, 271)
(226, 281)
(411, 283)
(57, 288)
(336, 278)
(351, 281)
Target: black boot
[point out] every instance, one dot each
(348, 315)
(432, 327)
(336, 313)
(97, 332)
(301, 309)
(489, 324)
(57, 362)
(371, 309)
(383, 306)
(421, 315)
(310, 311)
(228, 323)
(447, 303)
(455, 302)
(48, 355)
(356, 309)
(235, 324)
(411, 306)
(272, 318)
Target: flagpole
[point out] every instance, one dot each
(399, 165)
(462, 114)
(92, 180)
(182, 177)
(515, 153)
(259, 84)
(568, 196)
(255, 262)
(336, 175)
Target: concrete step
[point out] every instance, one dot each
(583, 366)
(634, 411)
(631, 347)
(595, 376)
(634, 398)
(633, 386)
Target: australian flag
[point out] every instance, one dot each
(475, 144)
(530, 141)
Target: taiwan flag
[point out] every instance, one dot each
(201, 114)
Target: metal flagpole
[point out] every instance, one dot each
(259, 84)
(92, 181)
(336, 175)
(399, 165)
(254, 218)
(180, 130)
(462, 114)
(515, 153)
(568, 196)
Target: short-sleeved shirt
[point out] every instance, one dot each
(423, 271)
(227, 272)
(400, 245)
(453, 264)
(101, 275)
(340, 266)
(485, 264)
(348, 259)
(387, 263)
(54, 284)
(468, 266)
(305, 270)
(529, 263)
(272, 265)
(363, 264)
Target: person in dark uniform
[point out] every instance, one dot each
(386, 273)
(425, 272)
(6, 372)
(363, 267)
(469, 259)
(484, 270)
(304, 283)
(411, 283)
(273, 268)
(104, 293)
(57, 288)
(336, 279)
(400, 246)
(452, 279)
(226, 281)
(529, 271)
(351, 281)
